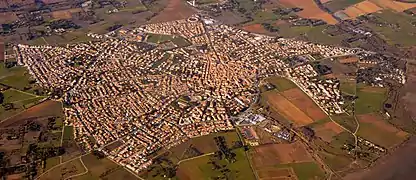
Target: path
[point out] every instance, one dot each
(76, 175)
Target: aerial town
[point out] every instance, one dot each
(148, 96)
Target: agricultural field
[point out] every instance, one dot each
(327, 130)
(304, 103)
(206, 144)
(346, 121)
(315, 34)
(310, 10)
(348, 86)
(281, 84)
(401, 33)
(16, 77)
(284, 161)
(340, 4)
(285, 108)
(103, 168)
(174, 10)
(305, 170)
(200, 168)
(361, 8)
(370, 99)
(374, 128)
(63, 171)
(160, 38)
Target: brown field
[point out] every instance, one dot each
(378, 131)
(272, 154)
(288, 110)
(327, 131)
(349, 60)
(42, 110)
(377, 121)
(361, 8)
(394, 5)
(65, 14)
(275, 173)
(371, 6)
(7, 17)
(175, 10)
(255, 28)
(310, 10)
(304, 103)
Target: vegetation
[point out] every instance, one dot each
(281, 83)
(340, 4)
(305, 170)
(369, 100)
(395, 28)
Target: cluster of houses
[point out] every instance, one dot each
(146, 98)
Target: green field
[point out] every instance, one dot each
(305, 170)
(200, 169)
(160, 38)
(336, 162)
(51, 162)
(68, 133)
(282, 84)
(348, 86)
(346, 121)
(16, 77)
(369, 101)
(64, 171)
(315, 34)
(336, 5)
(402, 33)
(19, 100)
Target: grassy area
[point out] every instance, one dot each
(17, 77)
(68, 133)
(12, 95)
(314, 34)
(340, 4)
(64, 171)
(99, 168)
(305, 170)
(200, 169)
(402, 33)
(348, 86)
(336, 162)
(281, 83)
(346, 121)
(51, 162)
(264, 16)
(370, 99)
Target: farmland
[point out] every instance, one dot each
(340, 4)
(374, 128)
(287, 109)
(310, 10)
(174, 10)
(200, 168)
(327, 131)
(281, 84)
(65, 171)
(304, 103)
(370, 99)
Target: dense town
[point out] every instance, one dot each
(118, 89)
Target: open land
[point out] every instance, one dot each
(374, 128)
(310, 10)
